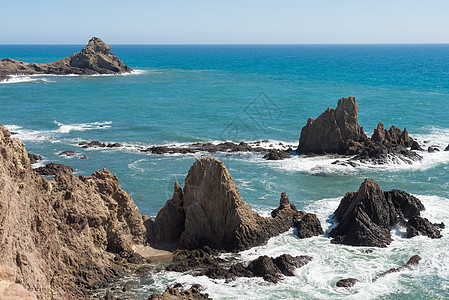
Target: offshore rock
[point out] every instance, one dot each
(308, 226)
(209, 211)
(175, 293)
(95, 58)
(277, 155)
(34, 158)
(365, 217)
(52, 169)
(60, 236)
(338, 132)
(421, 226)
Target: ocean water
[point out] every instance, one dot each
(181, 94)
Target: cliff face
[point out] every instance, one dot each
(95, 58)
(211, 212)
(60, 236)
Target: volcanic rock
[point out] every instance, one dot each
(60, 236)
(34, 158)
(365, 217)
(416, 146)
(211, 212)
(308, 226)
(421, 226)
(52, 169)
(447, 148)
(277, 155)
(338, 132)
(175, 293)
(95, 58)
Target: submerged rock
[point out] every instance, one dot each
(338, 132)
(60, 236)
(67, 153)
(210, 212)
(365, 217)
(95, 58)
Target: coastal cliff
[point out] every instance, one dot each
(59, 237)
(94, 58)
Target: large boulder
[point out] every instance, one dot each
(366, 216)
(210, 212)
(60, 236)
(94, 58)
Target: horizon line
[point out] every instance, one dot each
(230, 44)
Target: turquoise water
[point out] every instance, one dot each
(183, 94)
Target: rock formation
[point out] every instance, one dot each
(211, 212)
(95, 58)
(412, 262)
(365, 217)
(59, 237)
(338, 132)
(175, 293)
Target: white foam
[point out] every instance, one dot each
(66, 128)
(24, 78)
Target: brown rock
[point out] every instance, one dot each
(52, 169)
(60, 236)
(34, 158)
(347, 283)
(308, 226)
(215, 213)
(175, 293)
(95, 58)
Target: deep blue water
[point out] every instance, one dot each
(183, 94)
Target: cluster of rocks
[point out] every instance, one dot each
(336, 131)
(366, 216)
(206, 262)
(95, 58)
(176, 293)
(97, 144)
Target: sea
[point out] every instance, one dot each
(182, 94)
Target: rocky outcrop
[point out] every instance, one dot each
(277, 155)
(207, 262)
(421, 226)
(412, 262)
(365, 217)
(209, 211)
(176, 293)
(34, 158)
(62, 236)
(308, 226)
(95, 58)
(338, 132)
(51, 169)
(333, 130)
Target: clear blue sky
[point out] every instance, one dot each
(228, 21)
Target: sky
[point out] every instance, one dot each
(224, 22)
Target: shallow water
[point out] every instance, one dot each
(185, 94)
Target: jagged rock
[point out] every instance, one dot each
(52, 169)
(277, 155)
(338, 132)
(60, 236)
(432, 149)
(330, 132)
(114, 145)
(365, 217)
(421, 226)
(264, 267)
(92, 144)
(347, 283)
(67, 153)
(215, 213)
(34, 158)
(186, 260)
(416, 146)
(95, 58)
(308, 226)
(287, 263)
(447, 148)
(175, 293)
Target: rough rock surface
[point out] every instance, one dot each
(207, 262)
(95, 58)
(61, 236)
(308, 226)
(338, 132)
(365, 217)
(421, 226)
(277, 155)
(211, 212)
(34, 158)
(52, 169)
(175, 293)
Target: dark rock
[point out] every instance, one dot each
(175, 293)
(34, 158)
(365, 217)
(114, 145)
(67, 153)
(412, 262)
(277, 155)
(421, 226)
(92, 144)
(51, 169)
(187, 260)
(287, 263)
(431, 149)
(416, 146)
(212, 213)
(447, 148)
(95, 58)
(348, 282)
(265, 267)
(338, 132)
(136, 258)
(308, 226)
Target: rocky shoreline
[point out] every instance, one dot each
(95, 58)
